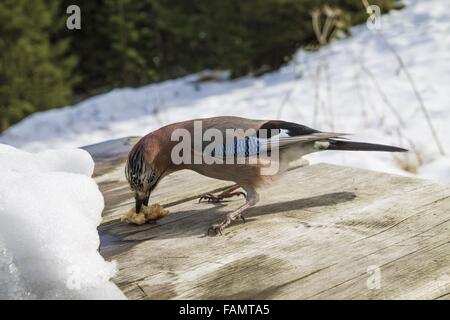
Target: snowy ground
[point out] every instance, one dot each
(50, 208)
(360, 85)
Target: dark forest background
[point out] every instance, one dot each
(125, 43)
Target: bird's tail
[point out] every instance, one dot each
(361, 146)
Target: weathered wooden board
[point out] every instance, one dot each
(314, 235)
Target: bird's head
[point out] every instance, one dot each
(141, 176)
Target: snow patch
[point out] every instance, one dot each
(438, 170)
(50, 208)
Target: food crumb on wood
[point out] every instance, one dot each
(147, 214)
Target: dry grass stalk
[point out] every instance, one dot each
(413, 86)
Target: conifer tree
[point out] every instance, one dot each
(33, 74)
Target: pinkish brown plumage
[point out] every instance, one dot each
(150, 160)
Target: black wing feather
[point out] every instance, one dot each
(293, 129)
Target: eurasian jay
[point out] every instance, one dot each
(152, 158)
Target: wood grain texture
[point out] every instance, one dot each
(314, 235)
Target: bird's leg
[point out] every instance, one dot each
(228, 193)
(252, 199)
(229, 217)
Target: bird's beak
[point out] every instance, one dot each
(140, 201)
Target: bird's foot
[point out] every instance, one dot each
(217, 228)
(209, 197)
(229, 217)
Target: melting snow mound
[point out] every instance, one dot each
(50, 208)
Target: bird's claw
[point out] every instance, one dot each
(209, 197)
(218, 227)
